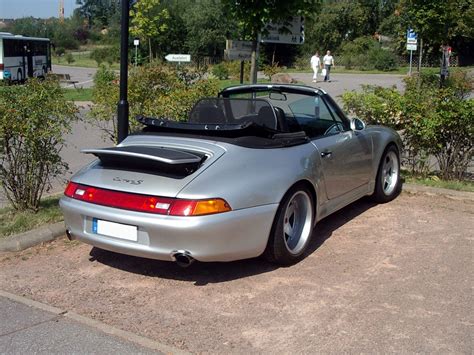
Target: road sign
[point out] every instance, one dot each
(238, 45)
(411, 45)
(238, 50)
(178, 58)
(292, 33)
(411, 37)
(234, 54)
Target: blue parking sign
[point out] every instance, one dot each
(411, 36)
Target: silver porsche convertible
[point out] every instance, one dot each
(249, 173)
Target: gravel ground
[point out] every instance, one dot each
(378, 278)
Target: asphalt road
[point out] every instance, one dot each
(28, 330)
(341, 83)
(83, 76)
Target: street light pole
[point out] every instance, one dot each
(122, 107)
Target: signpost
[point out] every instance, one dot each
(291, 33)
(136, 42)
(178, 58)
(412, 42)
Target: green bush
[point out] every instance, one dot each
(381, 59)
(105, 55)
(59, 51)
(234, 69)
(271, 69)
(440, 121)
(365, 53)
(104, 94)
(154, 90)
(435, 121)
(34, 118)
(220, 71)
(70, 58)
(376, 105)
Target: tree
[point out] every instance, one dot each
(440, 22)
(98, 12)
(344, 20)
(148, 21)
(173, 40)
(253, 16)
(62, 34)
(207, 26)
(338, 21)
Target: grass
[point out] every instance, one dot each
(14, 222)
(81, 59)
(80, 94)
(435, 181)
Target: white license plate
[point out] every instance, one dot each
(116, 230)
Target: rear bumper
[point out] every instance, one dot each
(227, 236)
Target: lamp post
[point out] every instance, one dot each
(122, 107)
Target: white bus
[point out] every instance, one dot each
(23, 57)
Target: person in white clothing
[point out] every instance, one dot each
(328, 62)
(315, 65)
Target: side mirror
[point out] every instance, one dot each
(357, 124)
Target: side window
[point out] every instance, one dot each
(336, 123)
(314, 117)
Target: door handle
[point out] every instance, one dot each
(326, 154)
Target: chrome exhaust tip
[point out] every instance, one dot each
(182, 258)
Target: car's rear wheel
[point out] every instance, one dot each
(388, 184)
(292, 227)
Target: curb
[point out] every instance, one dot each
(33, 237)
(47, 233)
(105, 328)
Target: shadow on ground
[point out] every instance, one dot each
(205, 273)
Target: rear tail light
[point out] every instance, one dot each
(146, 203)
(1, 67)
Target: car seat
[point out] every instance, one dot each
(266, 117)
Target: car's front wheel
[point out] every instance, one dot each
(292, 227)
(388, 184)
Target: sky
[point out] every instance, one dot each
(35, 8)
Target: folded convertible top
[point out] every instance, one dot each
(248, 134)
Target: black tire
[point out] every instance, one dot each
(388, 183)
(292, 228)
(19, 76)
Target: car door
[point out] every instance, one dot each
(345, 155)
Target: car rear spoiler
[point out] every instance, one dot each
(153, 159)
